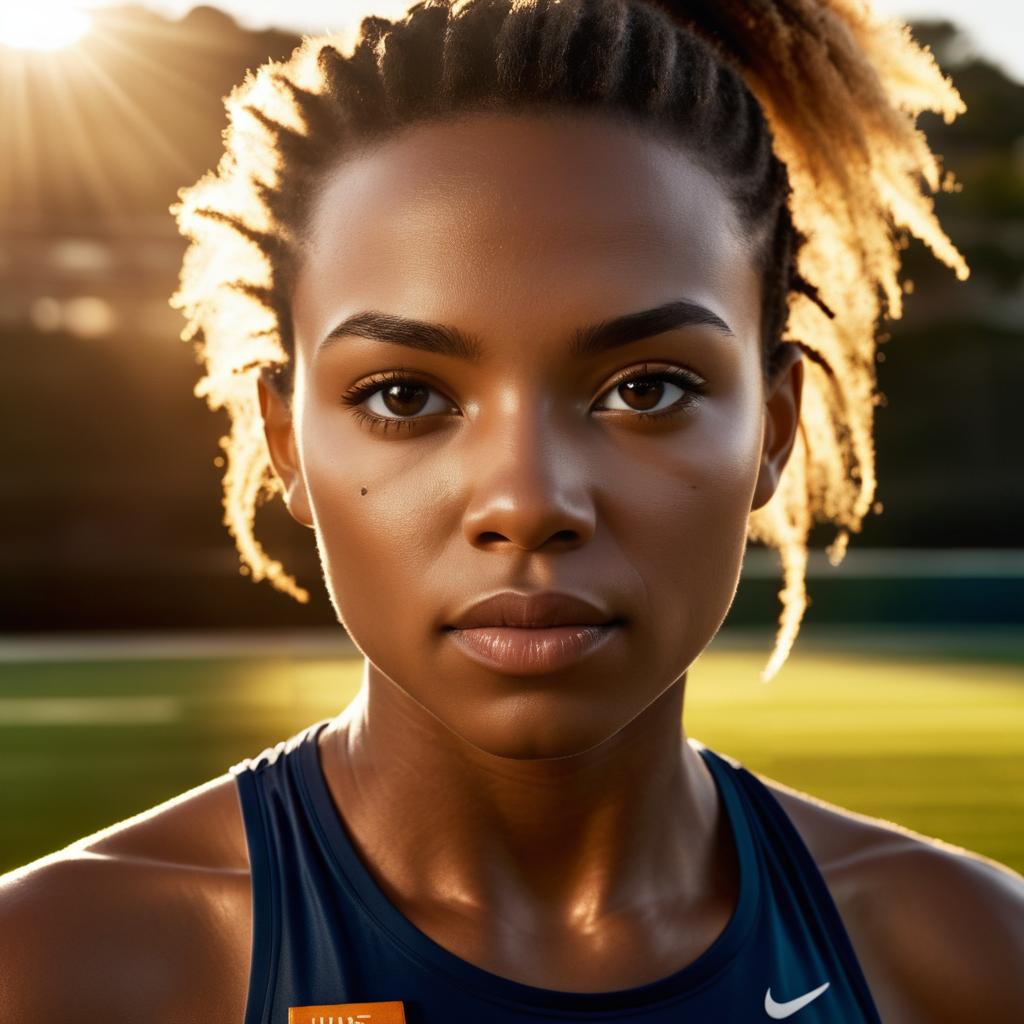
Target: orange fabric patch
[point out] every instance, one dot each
(348, 1013)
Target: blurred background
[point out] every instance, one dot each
(135, 659)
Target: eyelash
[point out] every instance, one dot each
(355, 396)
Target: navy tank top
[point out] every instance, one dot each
(326, 935)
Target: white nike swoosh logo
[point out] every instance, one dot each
(779, 1010)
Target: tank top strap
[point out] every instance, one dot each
(282, 854)
(797, 886)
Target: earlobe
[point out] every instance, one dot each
(296, 500)
(782, 419)
(278, 429)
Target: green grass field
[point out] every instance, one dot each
(933, 742)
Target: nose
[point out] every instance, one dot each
(529, 488)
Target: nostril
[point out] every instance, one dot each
(492, 537)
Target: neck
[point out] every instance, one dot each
(627, 826)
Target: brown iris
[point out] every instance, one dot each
(645, 393)
(405, 399)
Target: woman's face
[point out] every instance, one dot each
(492, 451)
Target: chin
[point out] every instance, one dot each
(530, 728)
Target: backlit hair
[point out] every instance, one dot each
(804, 110)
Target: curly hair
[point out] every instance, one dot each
(805, 111)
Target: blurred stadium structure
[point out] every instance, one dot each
(111, 499)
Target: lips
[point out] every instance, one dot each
(532, 611)
(532, 634)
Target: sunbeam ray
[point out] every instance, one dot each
(67, 103)
(137, 117)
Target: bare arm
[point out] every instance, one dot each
(943, 936)
(101, 937)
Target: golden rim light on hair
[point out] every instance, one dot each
(840, 90)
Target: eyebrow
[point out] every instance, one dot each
(586, 341)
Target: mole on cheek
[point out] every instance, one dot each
(362, 490)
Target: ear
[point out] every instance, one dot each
(279, 431)
(782, 418)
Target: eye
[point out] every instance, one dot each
(394, 399)
(404, 398)
(652, 393)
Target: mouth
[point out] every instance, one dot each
(532, 634)
(532, 650)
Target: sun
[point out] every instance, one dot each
(42, 24)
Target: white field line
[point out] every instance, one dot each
(311, 643)
(89, 710)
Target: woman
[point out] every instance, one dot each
(498, 300)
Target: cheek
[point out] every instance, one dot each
(378, 513)
(682, 510)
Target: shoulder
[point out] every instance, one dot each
(147, 919)
(938, 930)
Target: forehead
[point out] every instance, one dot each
(529, 216)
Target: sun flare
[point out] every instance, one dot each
(42, 24)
